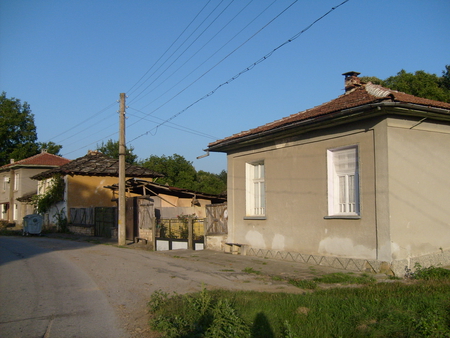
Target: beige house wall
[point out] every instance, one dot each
(17, 210)
(404, 198)
(296, 198)
(419, 188)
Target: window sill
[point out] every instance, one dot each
(255, 217)
(343, 217)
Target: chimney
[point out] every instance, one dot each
(351, 80)
(11, 161)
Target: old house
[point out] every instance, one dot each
(84, 181)
(149, 205)
(17, 187)
(360, 182)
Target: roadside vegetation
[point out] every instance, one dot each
(357, 306)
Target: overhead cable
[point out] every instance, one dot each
(265, 57)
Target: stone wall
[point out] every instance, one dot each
(85, 230)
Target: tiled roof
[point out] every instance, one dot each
(358, 97)
(39, 160)
(97, 164)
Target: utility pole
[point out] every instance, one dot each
(122, 150)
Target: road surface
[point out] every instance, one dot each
(60, 288)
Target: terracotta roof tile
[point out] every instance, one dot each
(360, 96)
(42, 159)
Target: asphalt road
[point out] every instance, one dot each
(60, 288)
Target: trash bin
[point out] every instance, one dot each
(32, 224)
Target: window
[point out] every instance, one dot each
(5, 182)
(343, 182)
(16, 181)
(255, 190)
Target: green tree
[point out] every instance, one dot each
(445, 82)
(179, 172)
(17, 130)
(421, 84)
(50, 147)
(210, 183)
(111, 149)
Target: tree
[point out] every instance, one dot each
(17, 130)
(177, 171)
(421, 84)
(445, 82)
(180, 173)
(111, 149)
(210, 183)
(50, 147)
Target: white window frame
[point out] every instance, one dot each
(255, 189)
(5, 182)
(343, 182)
(16, 181)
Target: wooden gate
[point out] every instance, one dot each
(216, 219)
(146, 215)
(140, 217)
(105, 220)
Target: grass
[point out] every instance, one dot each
(418, 308)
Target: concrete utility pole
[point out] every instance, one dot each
(122, 150)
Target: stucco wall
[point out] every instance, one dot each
(88, 191)
(419, 188)
(296, 197)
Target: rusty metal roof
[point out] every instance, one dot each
(358, 97)
(147, 188)
(97, 164)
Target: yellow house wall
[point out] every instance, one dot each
(89, 191)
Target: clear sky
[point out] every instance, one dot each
(70, 60)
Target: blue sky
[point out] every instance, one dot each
(70, 60)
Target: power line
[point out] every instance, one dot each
(265, 57)
(178, 49)
(223, 59)
(162, 55)
(174, 125)
(71, 129)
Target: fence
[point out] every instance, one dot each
(178, 228)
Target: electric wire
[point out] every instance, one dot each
(169, 58)
(265, 57)
(178, 49)
(131, 91)
(210, 57)
(173, 125)
(223, 59)
(53, 139)
(184, 51)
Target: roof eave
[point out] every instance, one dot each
(330, 119)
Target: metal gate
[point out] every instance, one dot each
(105, 220)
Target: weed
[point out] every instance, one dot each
(251, 270)
(345, 278)
(303, 283)
(430, 273)
(395, 309)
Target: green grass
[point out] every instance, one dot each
(418, 308)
